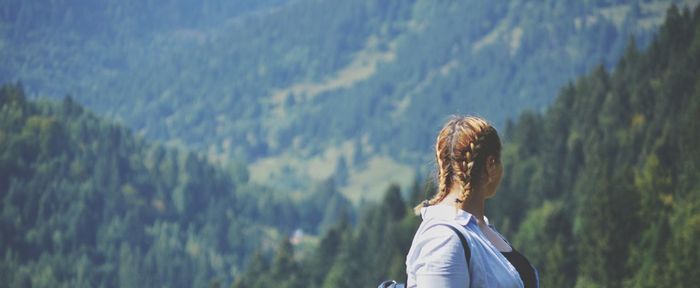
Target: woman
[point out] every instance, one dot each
(468, 152)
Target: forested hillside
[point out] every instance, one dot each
(607, 180)
(303, 88)
(85, 203)
(601, 190)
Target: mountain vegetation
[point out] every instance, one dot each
(85, 203)
(287, 81)
(600, 190)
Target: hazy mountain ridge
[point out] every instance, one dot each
(515, 60)
(292, 85)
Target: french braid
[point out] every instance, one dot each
(443, 150)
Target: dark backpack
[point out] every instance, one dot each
(467, 256)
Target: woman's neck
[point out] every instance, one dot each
(474, 206)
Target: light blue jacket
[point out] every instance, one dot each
(436, 258)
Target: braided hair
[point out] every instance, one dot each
(461, 149)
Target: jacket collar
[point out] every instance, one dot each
(448, 212)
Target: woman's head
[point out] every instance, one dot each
(467, 152)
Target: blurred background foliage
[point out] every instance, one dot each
(254, 143)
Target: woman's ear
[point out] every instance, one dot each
(491, 165)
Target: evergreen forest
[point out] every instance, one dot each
(149, 173)
(86, 203)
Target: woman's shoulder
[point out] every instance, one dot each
(441, 230)
(440, 237)
(438, 246)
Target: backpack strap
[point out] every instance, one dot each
(465, 245)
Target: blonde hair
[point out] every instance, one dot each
(461, 149)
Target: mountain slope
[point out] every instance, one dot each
(306, 83)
